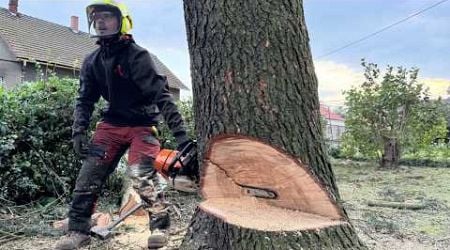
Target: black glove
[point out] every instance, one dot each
(80, 145)
(182, 145)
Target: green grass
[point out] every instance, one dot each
(362, 182)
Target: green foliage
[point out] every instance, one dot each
(334, 152)
(36, 155)
(187, 111)
(431, 156)
(394, 106)
(35, 131)
(428, 121)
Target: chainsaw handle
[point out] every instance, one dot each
(178, 156)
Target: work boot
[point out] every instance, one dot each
(159, 225)
(157, 239)
(73, 240)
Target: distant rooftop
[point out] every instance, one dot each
(36, 40)
(327, 113)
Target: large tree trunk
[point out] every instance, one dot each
(391, 154)
(267, 181)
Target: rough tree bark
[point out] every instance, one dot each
(391, 154)
(253, 77)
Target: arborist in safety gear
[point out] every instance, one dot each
(124, 74)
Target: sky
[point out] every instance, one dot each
(422, 41)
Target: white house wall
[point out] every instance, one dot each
(333, 131)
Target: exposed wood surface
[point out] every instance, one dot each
(135, 233)
(253, 214)
(207, 231)
(235, 162)
(129, 200)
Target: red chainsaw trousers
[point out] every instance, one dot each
(108, 145)
(139, 141)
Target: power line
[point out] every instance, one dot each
(383, 29)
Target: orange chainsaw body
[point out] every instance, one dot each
(163, 161)
(179, 168)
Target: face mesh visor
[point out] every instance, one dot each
(103, 23)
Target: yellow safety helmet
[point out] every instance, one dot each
(126, 23)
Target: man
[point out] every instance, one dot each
(125, 76)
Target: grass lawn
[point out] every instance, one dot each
(391, 228)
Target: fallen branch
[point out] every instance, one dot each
(35, 211)
(398, 205)
(4, 241)
(51, 171)
(9, 236)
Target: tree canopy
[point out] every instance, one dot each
(390, 107)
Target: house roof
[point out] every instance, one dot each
(328, 114)
(37, 40)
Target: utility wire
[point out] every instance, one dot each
(382, 29)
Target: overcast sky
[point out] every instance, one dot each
(422, 41)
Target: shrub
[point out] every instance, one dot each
(186, 110)
(334, 152)
(35, 130)
(36, 155)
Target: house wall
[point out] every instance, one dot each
(13, 72)
(10, 70)
(31, 72)
(333, 131)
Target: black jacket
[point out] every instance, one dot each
(124, 74)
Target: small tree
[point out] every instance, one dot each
(386, 114)
(429, 122)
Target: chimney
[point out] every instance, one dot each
(74, 24)
(13, 6)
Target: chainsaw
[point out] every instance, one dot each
(179, 168)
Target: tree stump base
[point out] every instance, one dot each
(258, 197)
(253, 214)
(208, 231)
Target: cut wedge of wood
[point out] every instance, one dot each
(237, 166)
(259, 197)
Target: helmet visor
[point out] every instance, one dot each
(103, 22)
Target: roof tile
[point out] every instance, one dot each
(39, 40)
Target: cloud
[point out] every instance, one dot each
(438, 87)
(333, 78)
